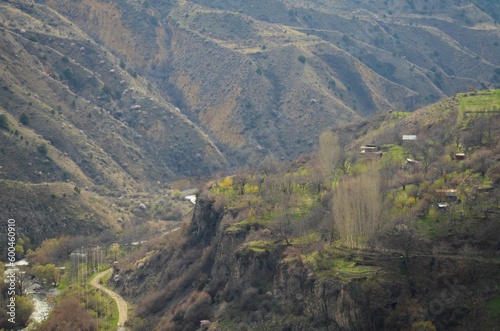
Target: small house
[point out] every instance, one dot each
(410, 137)
(442, 205)
(459, 156)
(369, 150)
(450, 194)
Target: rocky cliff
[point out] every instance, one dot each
(240, 278)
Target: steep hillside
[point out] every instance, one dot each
(89, 106)
(269, 76)
(49, 210)
(75, 118)
(374, 232)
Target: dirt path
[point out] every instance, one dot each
(122, 304)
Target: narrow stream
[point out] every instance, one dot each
(42, 299)
(41, 296)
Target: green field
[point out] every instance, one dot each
(488, 100)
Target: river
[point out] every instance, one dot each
(41, 296)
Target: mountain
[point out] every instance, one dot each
(121, 97)
(268, 76)
(399, 235)
(75, 119)
(82, 101)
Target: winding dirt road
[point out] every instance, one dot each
(122, 304)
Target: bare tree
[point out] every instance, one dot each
(283, 223)
(357, 208)
(482, 160)
(269, 165)
(239, 182)
(330, 154)
(21, 280)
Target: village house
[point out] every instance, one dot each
(369, 150)
(449, 194)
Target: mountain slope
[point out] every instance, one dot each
(378, 243)
(81, 129)
(87, 105)
(268, 76)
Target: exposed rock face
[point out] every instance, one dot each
(272, 286)
(205, 221)
(332, 303)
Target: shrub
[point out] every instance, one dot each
(42, 149)
(69, 315)
(423, 326)
(4, 122)
(24, 119)
(302, 58)
(132, 72)
(187, 315)
(33, 38)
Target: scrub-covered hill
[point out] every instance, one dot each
(269, 76)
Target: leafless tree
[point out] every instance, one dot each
(22, 278)
(357, 208)
(269, 165)
(239, 182)
(330, 154)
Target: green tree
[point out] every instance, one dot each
(24, 308)
(114, 250)
(49, 273)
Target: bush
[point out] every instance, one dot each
(187, 315)
(69, 315)
(24, 119)
(42, 149)
(423, 326)
(33, 38)
(132, 72)
(302, 58)
(4, 122)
